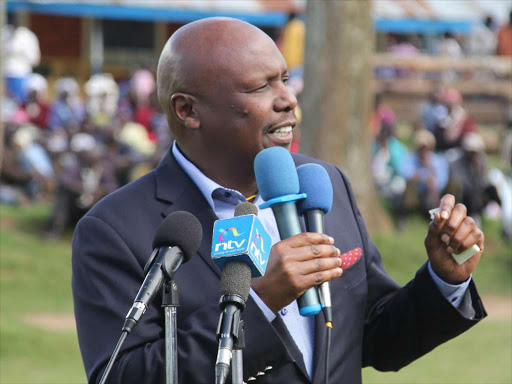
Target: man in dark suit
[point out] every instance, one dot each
(222, 85)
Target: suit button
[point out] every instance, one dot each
(268, 368)
(260, 373)
(251, 379)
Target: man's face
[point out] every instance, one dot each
(245, 104)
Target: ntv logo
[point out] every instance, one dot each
(231, 244)
(255, 250)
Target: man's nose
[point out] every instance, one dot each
(286, 100)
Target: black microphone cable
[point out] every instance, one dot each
(114, 356)
(328, 353)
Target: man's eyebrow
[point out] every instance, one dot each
(263, 77)
(275, 75)
(254, 81)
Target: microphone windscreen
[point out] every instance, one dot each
(181, 229)
(236, 279)
(316, 184)
(275, 173)
(246, 208)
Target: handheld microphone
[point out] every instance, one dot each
(176, 240)
(278, 185)
(315, 182)
(240, 248)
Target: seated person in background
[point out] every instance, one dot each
(86, 177)
(426, 173)
(388, 153)
(470, 172)
(35, 105)
(67, 110)
(451, 130)
(17, 181)
(433, 111)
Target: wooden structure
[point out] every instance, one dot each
(484, 82)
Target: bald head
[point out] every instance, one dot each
(194, 54)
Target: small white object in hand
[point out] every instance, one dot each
(468, 253)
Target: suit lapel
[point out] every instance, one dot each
(175, 187)
(288, 341)
(319, 352)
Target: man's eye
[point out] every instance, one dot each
(262, 88)
(285, 80)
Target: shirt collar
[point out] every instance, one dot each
(209, 188)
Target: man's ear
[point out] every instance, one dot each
(183, 107)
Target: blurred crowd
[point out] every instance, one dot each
(84, 142)
(75, 149)
(485, 39)
(448, 155)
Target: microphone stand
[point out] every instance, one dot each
(170, 302)
(237, 368)
(231, 323)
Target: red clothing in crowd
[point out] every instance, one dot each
(504, 47)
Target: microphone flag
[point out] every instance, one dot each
(241, 238)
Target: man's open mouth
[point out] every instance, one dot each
(282, 132)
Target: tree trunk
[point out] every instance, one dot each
(337, 95)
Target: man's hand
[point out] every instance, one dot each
(295, 265)
(452, 231)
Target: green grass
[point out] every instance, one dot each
(34, 355)
(403, 254)
(482, 355)
(35, 277)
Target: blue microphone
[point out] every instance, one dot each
(315, 183)
(240, 249)
(278, 185)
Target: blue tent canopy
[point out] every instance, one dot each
(180, 15)
(138, 13)
(423, 26)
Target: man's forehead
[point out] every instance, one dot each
(215, 32)
(219, 51)
(232, 50)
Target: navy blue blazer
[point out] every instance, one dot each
(376, 322)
